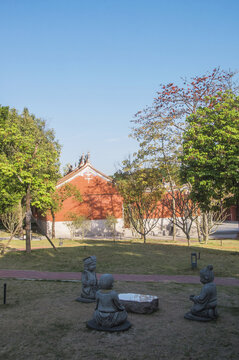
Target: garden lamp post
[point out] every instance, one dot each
(194, 260)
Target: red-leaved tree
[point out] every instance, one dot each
(159, 128)
(161, 125)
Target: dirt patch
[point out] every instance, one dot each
(42, 321)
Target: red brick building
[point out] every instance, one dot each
(99, 199)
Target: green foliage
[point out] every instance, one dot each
(141, 190)
(29, 162)
(29, 156)
(11, 190)
(61, 194)
(110, 223)
(12, 218)
(78, 222)
(58, 196)
(210, 160)
(159, 128)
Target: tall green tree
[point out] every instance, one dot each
(141, 189)
(210, 160)
(10, 186)
(159, 128)
(29, 163)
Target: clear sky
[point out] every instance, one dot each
(87, 66)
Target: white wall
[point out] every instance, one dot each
(98, 229)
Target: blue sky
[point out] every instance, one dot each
(87, 67)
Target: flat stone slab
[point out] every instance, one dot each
(91, 324)
(85, 300)
(139, 303)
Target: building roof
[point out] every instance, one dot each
(86, 170)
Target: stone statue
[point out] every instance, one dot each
(87, 157)
(205, 304)
(89, 280)
(81, 161)
(70, 169)
(110, 314)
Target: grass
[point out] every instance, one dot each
(155, 257)
(37, 241)
(41, 321)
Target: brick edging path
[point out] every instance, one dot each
(76, 276)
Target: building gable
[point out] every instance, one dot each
(99, 196)
(87, 171)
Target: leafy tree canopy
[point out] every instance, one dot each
(210, 160)
(141, 189)
(159, 128)
(29, 163)
(29, 156)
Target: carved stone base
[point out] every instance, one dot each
(138, 303)
(94, 326)
(85, 300)
(190, 316)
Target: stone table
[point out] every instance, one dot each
(139, 303)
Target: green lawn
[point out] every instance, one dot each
(124, 257)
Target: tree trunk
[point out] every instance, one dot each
(28, 220)
(206, 238)
(174, 221)
(144, 237)
(142, 234)
(114, 232)
(20, 227)
(53, 225)
(205, 227)
(188, 239)
(198, 230)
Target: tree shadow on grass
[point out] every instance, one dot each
(126, 258)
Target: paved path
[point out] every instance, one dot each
(76, 276)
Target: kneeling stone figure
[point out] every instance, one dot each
(205, 304)
(89, 280)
